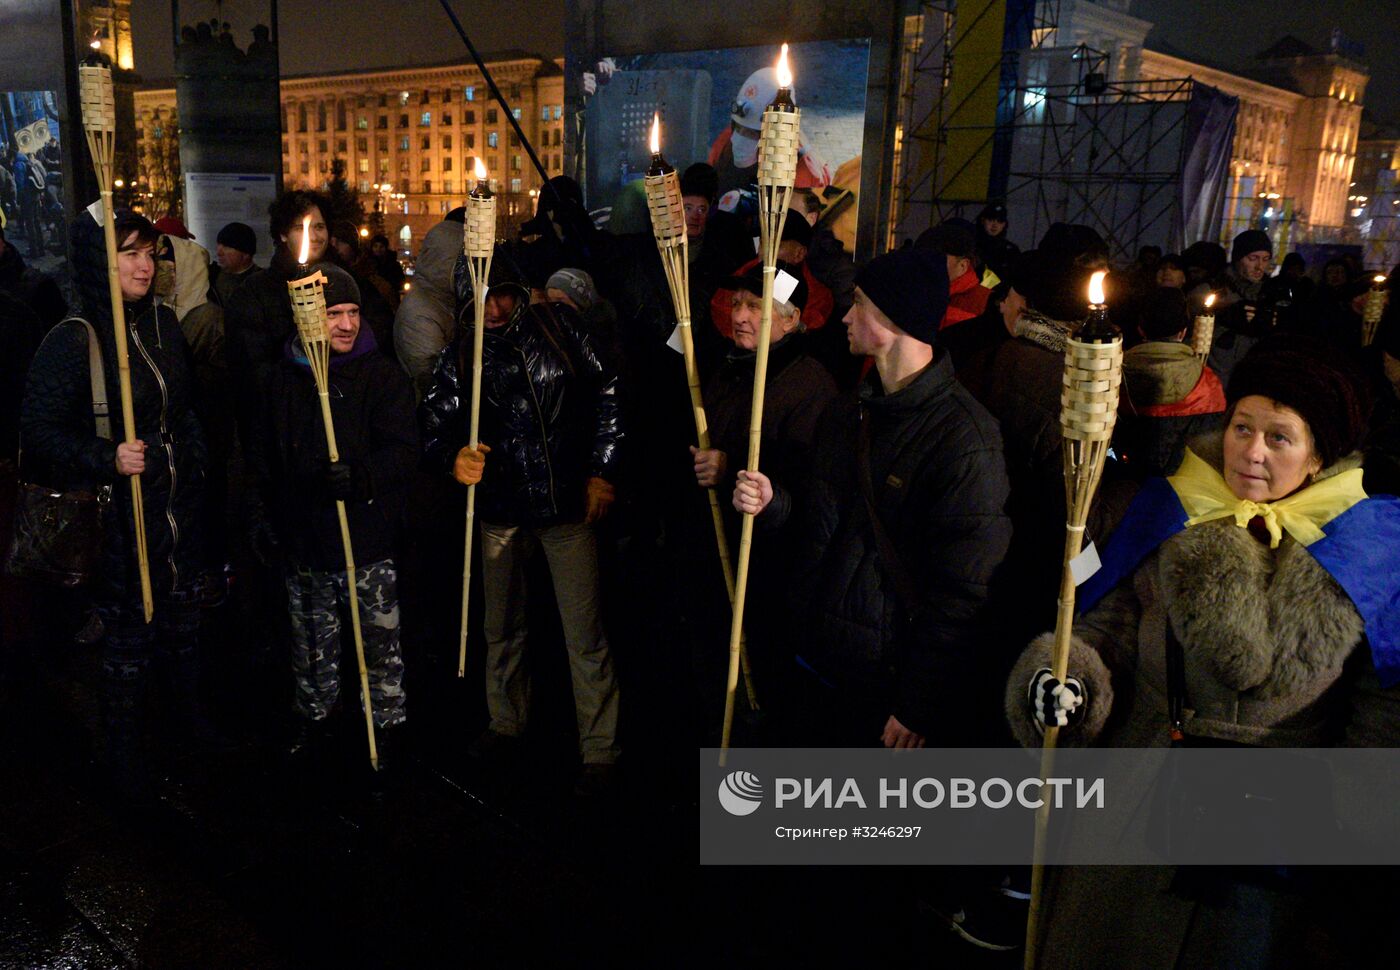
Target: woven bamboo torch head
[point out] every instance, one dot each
(479, 229)
(309, 308)
(95, 96)
(779, 136)
(663, 188)
(1093, 372)
(1203, 329)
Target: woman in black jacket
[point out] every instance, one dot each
(63, 450)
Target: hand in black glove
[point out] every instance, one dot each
(340, 480)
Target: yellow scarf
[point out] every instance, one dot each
(1205, 497)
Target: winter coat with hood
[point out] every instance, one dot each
(550, 412)
(426, 321)
(940, 487)
(62, 449)
(1168, 396)
(1274, 656)
(372, 408)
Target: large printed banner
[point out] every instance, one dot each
(711, 105)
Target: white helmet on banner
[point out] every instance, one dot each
(754, 95)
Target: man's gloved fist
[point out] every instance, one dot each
(600, 495)
(340, 480)
(1054, 704)
(470, 464)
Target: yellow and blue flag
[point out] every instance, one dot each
(1353, 536)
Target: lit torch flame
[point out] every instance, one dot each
(305, 239)
(1378, 280)
(1210, 301)
(784, 72)
(656, 133)
(1096, 288)
(480, 170)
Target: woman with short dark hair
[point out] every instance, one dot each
(63, 450)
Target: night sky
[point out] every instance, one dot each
(381, 33)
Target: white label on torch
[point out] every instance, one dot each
(783, 286)
(95, 210)
(674, 341)
(1084, 565)
(757, 243)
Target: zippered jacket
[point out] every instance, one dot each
(60, 445)
(549, 412)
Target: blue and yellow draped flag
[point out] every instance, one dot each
(1353, 536)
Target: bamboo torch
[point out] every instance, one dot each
(1203, 329)
(308, 298)
(478, 243)
(667, 210)
(1375, 308)
(100, 125)
(777, 172)
(1088, 410)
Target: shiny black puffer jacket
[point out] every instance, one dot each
(549, 412)
(61, 449)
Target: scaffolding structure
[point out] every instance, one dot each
(933, 41)
(1102, 154)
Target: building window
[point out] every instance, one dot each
(305, 168)
(515, 113)
(515, 185)
(544, 113)
(403, 121)
(515, 92)
(423, 98)
(301, 117)
(426, 119)
(447, 163)
(515, 163)
(364, 166)
(447, 186)
(364, 186)
(558, 111)
(362, 145)
(447, 119)
(383, 167)
(447, 143)
(403, 163)
(469, 93)
(325, 166)
(403, 98)
(284, 147)
(382, 143)
(491, 116)
(301, 148)
(383, 101)
(321, 117)
(427, 186)
(340, 116)
(493, 139)
(425, 143)
(470, 139)
(446, 95)
(340, 148)
(383, 122)
(442, 206)
(362, 122)
(469, 118)
(514, 140)
(425, 165)
(403, 143)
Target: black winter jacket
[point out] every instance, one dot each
(62, 449)
(940, 488)
(372, 409)
(549, 412)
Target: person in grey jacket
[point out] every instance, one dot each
(426, 320)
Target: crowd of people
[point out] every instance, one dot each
(909, 507)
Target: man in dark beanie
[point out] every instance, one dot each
(293, 515)
(1241, 316)
(234, 249)
(901, 530)
(1168, 393)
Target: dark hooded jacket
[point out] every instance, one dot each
(62, 449)
(549, 411)
(372, 411)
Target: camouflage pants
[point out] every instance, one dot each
(315, 599)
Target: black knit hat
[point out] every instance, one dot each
(797, 229)
(1162, 314)
(1250, 241)
(1314, 378)
(951, 238)
(237, 235)
(340, 285)
(702, 180)
(910, 286)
